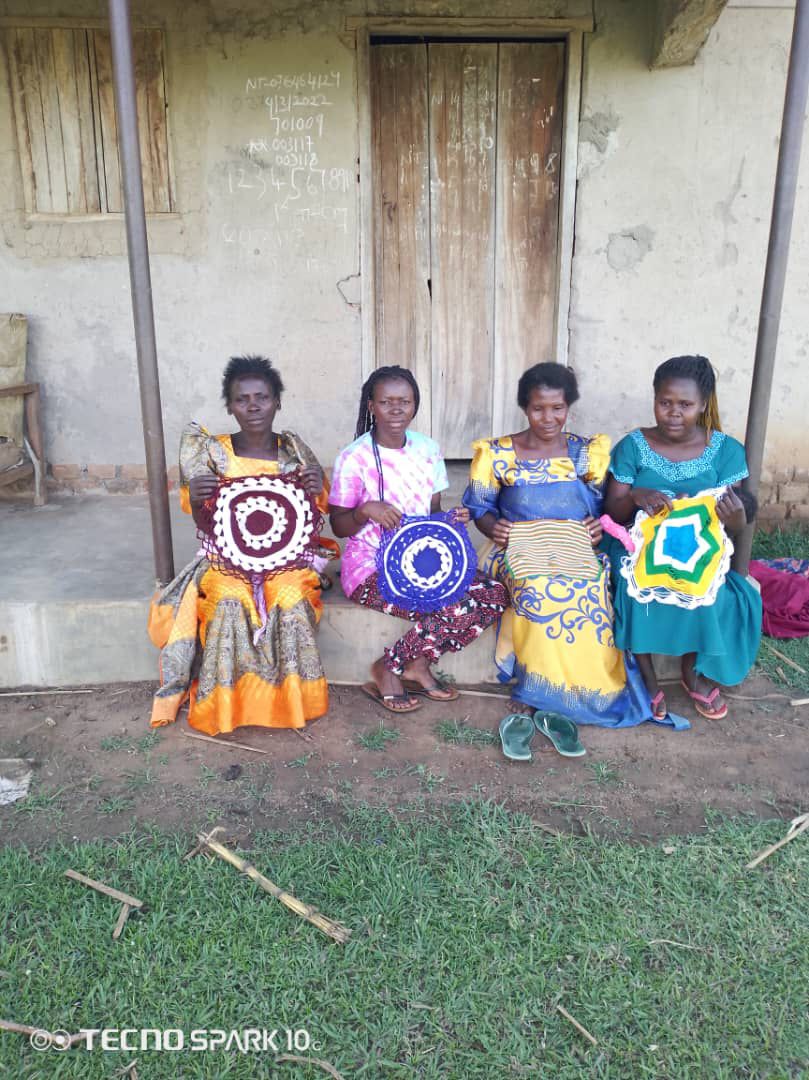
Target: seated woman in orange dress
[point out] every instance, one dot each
(239, 664)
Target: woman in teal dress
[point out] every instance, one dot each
(684, 454)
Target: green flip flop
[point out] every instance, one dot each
(562, 732)
(516, 733)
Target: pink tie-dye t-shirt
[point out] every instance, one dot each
(412, 476)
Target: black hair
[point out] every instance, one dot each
(364, 419)
(551, 376)
(700, 371)
(241, 367)
(749, 502)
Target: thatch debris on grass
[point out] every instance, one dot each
(333, 929)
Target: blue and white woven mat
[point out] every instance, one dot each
(426, 564)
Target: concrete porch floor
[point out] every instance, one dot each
(78, 575)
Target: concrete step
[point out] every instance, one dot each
(77, 581)
(78, 642)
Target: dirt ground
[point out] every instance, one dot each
(98, 770)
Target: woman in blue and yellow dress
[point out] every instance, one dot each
(556, 640)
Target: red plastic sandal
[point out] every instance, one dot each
(700, 699)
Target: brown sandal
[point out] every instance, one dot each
(413, 687)
(387, 701)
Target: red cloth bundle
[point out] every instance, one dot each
(785, 599)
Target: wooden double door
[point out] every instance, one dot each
(467, 144)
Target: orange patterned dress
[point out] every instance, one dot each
(204, 620)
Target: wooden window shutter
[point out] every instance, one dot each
(147, 48)
(65, 112)
(51, 90)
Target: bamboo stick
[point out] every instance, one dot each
(223, 742)
(99, 886)
(328, 926)
(581, 1030)
(799, 701)
(797, 826)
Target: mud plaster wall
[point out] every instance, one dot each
(261, 257)
(676, 172)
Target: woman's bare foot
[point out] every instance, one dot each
(521, 708)
(418, 671)
(389, 686)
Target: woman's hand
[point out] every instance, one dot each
(312, 479)
(594, 529)
(649, 500)
(381, 513)
(730, 510)
(202, 487)
(461, 515)
(500, 532)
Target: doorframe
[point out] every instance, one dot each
(571, 31)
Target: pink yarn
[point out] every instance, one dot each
(618, 531)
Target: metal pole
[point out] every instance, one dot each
(141, 285)
(786, 182)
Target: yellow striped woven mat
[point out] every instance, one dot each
(551, 548)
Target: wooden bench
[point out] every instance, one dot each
(36, 465)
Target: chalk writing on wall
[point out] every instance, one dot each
(289, 182)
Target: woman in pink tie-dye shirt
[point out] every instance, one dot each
(385, 473)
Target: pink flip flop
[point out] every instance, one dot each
(700, 699)
(655, 702)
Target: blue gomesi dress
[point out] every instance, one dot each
(725, 635)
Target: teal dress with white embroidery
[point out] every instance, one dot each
(725, 635)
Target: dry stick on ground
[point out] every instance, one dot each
(668, 941)
(784, 657)
(799, 701)
(549, 829)
(121, 897)
(123, 915)
(581, 1030)
(26, 1029)
(330, 1069)
(328, 926)
(797, 826)
(129, 1070)
(127, 902)
(41, 693)
(756, 697)
(223, 742)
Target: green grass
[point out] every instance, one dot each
(459, 732)
(467, 934)
(378, 738)
(791, 544)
